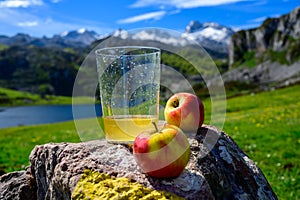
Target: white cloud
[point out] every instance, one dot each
(245, 26)
(28, 23)
(260, 19)
(183, 3)
(14, 21)
(152, 15)
(13, 16)
(20, 3)
(56, 1)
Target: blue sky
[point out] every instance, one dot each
(49, 17)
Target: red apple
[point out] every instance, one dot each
(185, 110)
(162, 154)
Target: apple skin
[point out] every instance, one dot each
(185, 110)
(162, 154)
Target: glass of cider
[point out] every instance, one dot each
(129, 81)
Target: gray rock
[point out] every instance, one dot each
(17, 185)
(276, 34)
(218, 169)
(230, 173)
(265, 74)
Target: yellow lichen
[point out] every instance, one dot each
(95, 185)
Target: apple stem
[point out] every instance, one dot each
(154, 124)
(176, 103)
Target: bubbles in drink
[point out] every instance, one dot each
(129, 86)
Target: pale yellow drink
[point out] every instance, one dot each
(124, 129)
(129, 81)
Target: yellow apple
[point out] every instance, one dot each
(184, 110)
(162, 154)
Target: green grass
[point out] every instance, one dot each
(265, 125)
(10, 97)
(2, 47)
(16, 143)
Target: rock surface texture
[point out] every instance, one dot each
(218, 169)
(266, 75)
(276, 34)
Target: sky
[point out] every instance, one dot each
(49, 17)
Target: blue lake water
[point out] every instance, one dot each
(29, 115)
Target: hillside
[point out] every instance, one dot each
(49, 65)
(211, 36)
(39, 70)
(260, 58)
(77, 39)
(16, 98)
(277, 40)
(267, 56)
(52, 71)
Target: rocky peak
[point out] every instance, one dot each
(123, 34)
(208, 30)
(193, 27)
(22, 38)
(279, 35)
(210, 35)
(82, 35)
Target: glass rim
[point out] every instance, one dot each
(101, 52)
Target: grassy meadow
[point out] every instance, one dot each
(10, 97)
(265, 125)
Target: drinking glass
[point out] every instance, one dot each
(129, 81)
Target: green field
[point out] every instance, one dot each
(265, 125)
(16, 98)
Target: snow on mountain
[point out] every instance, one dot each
(76, 39)
(160, 36)
(151, 34)
(63, 34)
(203, 33)
(211, 36)
(208, 31)
(121, 34)
(81, 31)
(80, 36)
(193, 27)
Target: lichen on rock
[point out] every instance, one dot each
(96, 185)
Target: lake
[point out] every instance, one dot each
(29, 115)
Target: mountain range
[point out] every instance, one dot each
(211, 36)
(267, 56)
(75, 39)
(48, 65)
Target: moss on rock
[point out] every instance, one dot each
(96, 185)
